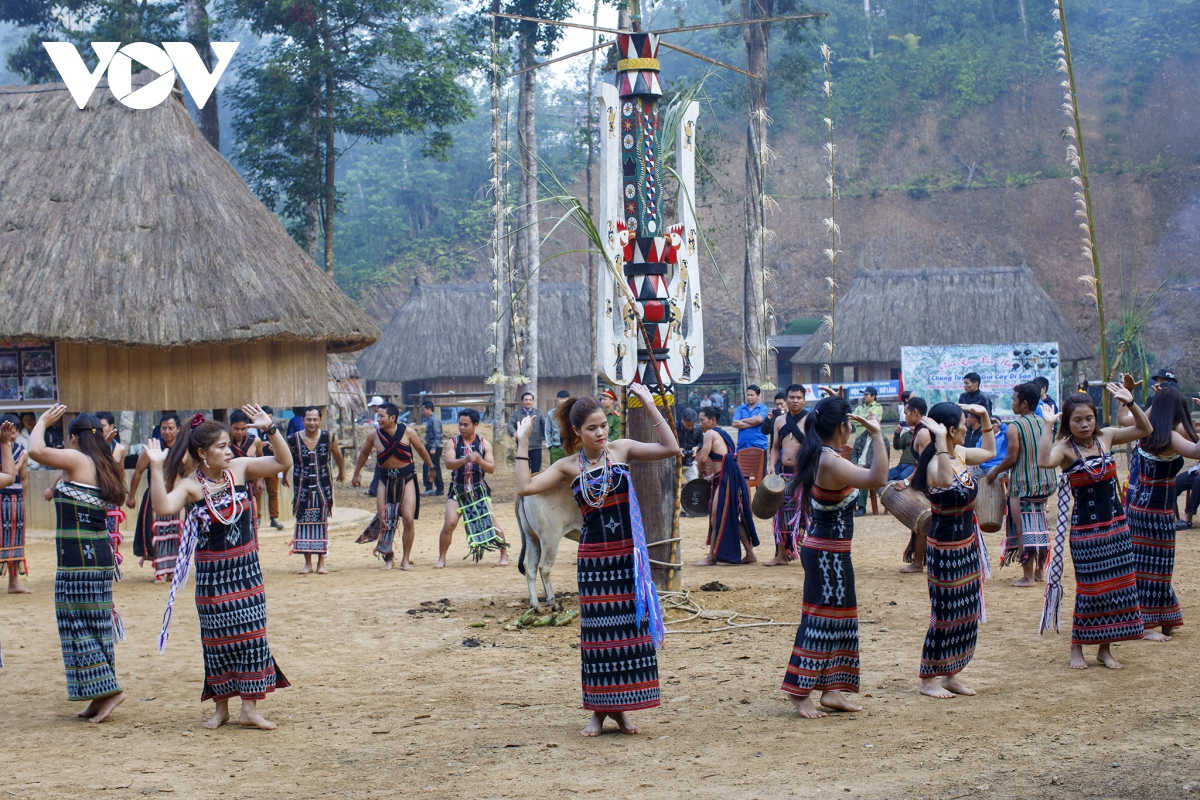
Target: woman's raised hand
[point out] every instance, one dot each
(8, 433)
(258, 418)
(1049, 415)
(524, 428)
(640, 391)
(154, 451)
(1120, 392)
(977, 410)
(53, 414)
(868, 422)
(934, 428)
(1129, 383)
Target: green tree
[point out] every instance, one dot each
(340, 71)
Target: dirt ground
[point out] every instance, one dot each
(386, 702)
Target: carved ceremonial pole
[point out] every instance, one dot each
(649, 324)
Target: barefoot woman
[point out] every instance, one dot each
(954, 550)
(1106, 598)
(1151, 509)
(91, 484)
(230, 599)
(620, 621)
(825, 656)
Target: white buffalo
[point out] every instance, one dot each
(544, 519)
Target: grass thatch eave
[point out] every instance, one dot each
(125, 227)
(887, 309)
(444, 331)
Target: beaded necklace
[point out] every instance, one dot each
(1098, 443)
(964, 477)
(595, 489)
(226, 485)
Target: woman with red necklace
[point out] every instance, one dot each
(230, 598)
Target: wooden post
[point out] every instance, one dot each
(656, 484)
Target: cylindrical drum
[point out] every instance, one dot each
(768, 497)
(694, 497)
(907, 505)
(989, 504)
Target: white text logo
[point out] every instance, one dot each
(171, 58)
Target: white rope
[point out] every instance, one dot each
(683, 601)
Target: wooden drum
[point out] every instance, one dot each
(907, 505)
(768, 497)
(694, 497)
(989, 504)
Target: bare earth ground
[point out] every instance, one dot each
(387, 703)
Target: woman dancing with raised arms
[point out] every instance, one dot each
(1151, 509)
(91, 484)
(955, 555)
(620, 619)
(230, 598)
(1106, 598)
(825, 656)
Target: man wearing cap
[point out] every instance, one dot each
(608, 401)
(553, 434)
(1162, 377)
(536, 436)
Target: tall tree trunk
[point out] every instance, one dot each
(502, 290)
(758, 41)
(867, 14)
(197, 27)
(590, 274)
(330, 149)
(530, 254)
(1024, 22)
(312, 227)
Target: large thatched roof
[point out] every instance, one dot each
(126, 227)
(887, 309)
(443, 331)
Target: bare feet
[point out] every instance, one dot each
(952, 683)
(16, 588)
(1168, 630)
(1039, 575)
(1106, 657)
(503, 562)
(440, 563)
(777, 561)
(1077, 660)
(387, 564)
(594, 726)
(750, 558)
(930, 687)
(838, 702)
(91, 709)
(708, 561)
(805, 707)
(627, 727)
(405, 564)
(219, 717)
(307, 568)
(107, 704)
(911, 568)
(250, 718)
(322, 569)
(1023, 582)
(1154, 636)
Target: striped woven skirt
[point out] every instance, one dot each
(1106, 597)
(312, 524)
(1153, 538)
(620, 665)
(232, 605)
(1029, 536)
(157, 539)
(825, 656)
(785, 525)
(955, 585)
(12, 534)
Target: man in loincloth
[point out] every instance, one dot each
(470, 462)
(730, 523)
(1026, 532)
(393, 444)
(312, 503)
(786, 437)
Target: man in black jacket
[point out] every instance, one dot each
(971, 393)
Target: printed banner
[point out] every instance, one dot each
(936, 372)
(28, 375)
(889, 391)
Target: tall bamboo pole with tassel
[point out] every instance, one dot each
(831, 225)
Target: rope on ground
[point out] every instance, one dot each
(683, 601)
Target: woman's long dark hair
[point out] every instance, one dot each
(1169, 409)
(948, 414)
(110, 479)
(1073, 402)
(822, 423)
(571, 415)
(203, 434)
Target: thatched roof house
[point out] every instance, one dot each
(139, 252)
(438, 341)
(886, 309)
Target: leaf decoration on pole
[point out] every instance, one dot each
(831, 225)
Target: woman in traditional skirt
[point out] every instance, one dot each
(12, 518)
(90, 487)
(1107, 609)
(156, 536)
(8, 475)
(825, 656)
(620, 620)
(955, 555)
(230, 598)
(1151, 509)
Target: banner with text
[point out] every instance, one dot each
(936, 372)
